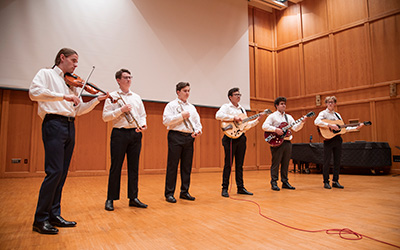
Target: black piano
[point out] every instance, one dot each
(360, 155)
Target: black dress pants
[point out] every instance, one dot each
(58, 135)
(234, 149)
(129, 142)
(281, 156)
(180, 148)
(332, 146)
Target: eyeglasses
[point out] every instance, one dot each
(239, 95)
(127, 77)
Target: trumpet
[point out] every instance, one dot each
(128, 115)
(187, 122)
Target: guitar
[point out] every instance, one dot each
(276, 140)
(236, 129)
(329, 133)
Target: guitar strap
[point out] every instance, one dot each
(337, 116)
(241, 109)
(286, 119)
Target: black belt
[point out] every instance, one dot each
(181, 133)
(60, 117)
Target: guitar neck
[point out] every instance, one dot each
(251, 117)
(292, 124)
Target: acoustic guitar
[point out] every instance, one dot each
(236, 129)
(329, 133)
(276, 140)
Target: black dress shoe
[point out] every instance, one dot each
(59, 221)
(336, 184)
(275, 187)
(326, 185)
(44, 227)
(109, 205)
(287, 186)
(243, 191)
(170, 199)
(224, 192)
(136, 203)
(186, 196)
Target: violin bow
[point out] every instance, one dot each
(87, 79)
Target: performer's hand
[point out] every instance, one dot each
(305, 118)
(140, 129)
(237, 119)
(185, 114)
(103, 97)
(360, 125)
(195, 134)
(333, 126)
(126, 108)
(72, 98)
(279, 131)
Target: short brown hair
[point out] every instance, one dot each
(279, 100)
(330, 98)
(118, 74)
(66, 52)
(181, 85)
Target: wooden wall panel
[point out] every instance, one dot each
(265, 78)
(263, 147)
(288, 25)
(385, 40)
(344, 12)
(90, 151)
(210, 141)
(314, 17)
(155, 142)
(317, 66)
(264, 31)
(252, 72)
(387, 125)
(288, 82)
(18, 135)
(378, 7)
(250, 160)
(352, 57)
(251, 25)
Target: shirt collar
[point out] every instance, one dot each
(181, 102)
(58, 71)
(122, 92)
(233, 106)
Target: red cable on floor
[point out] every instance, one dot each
(340, 232)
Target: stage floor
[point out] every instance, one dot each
(368, 205)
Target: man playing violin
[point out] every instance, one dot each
(183, 124)
(58, 105)
(128, 117)
(282, 153)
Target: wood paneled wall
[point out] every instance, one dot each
(315, 48)
(349, 49)
(20, 138)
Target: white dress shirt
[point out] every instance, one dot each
(112, 111)
(329, 115)
(228, 111)
(172, 117)
(48, 89)
(275, 119)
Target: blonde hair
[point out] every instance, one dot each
(330, 98)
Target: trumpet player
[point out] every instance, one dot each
(128, 117)
(183, 124)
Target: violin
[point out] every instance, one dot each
(75, 81)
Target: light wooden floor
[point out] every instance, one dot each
(369, 205)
